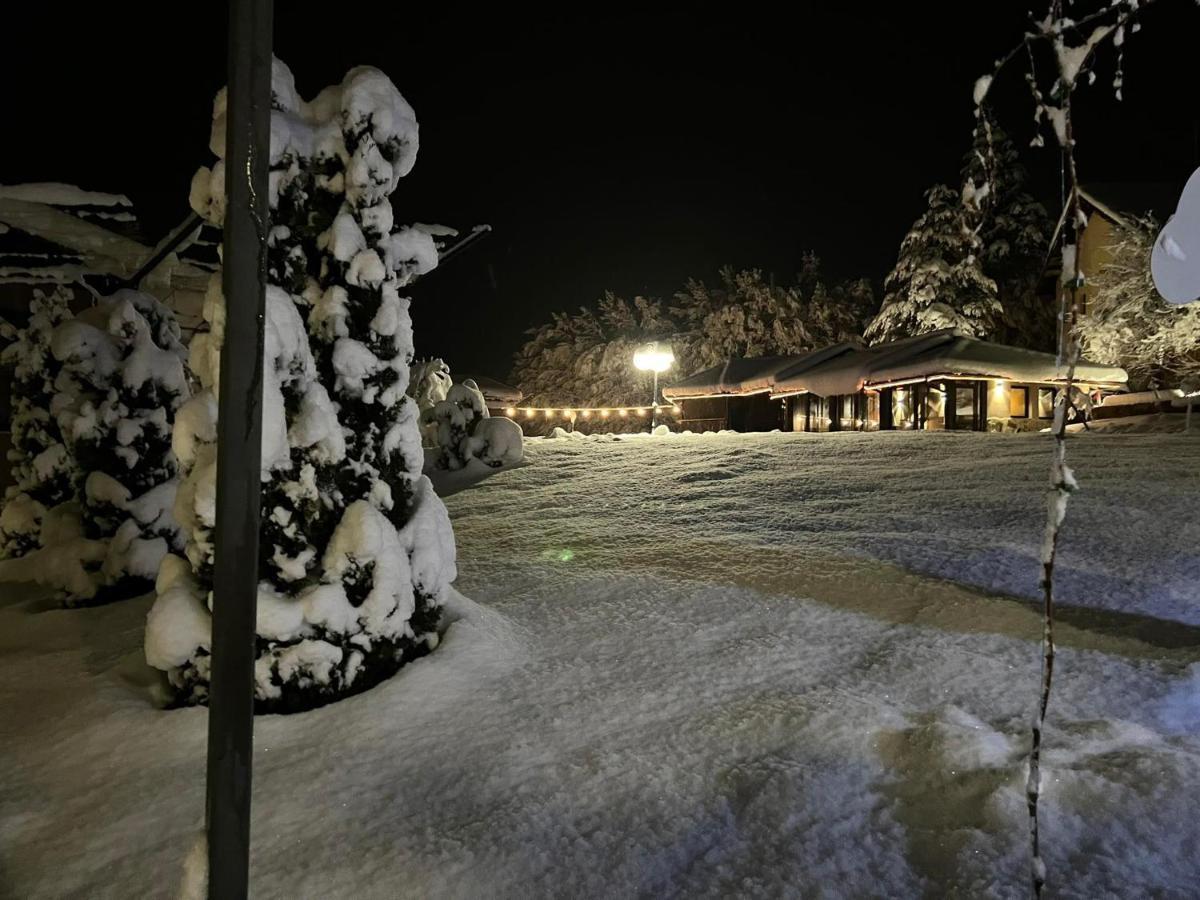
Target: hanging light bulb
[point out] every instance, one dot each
(510, 412)
(624, 413)
(528, 413)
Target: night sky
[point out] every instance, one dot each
(607, 150)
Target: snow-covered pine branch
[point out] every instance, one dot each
(357, 552)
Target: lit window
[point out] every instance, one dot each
(1018, 402)
(964, 407)
(1045, 403)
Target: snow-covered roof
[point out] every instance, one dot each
(847, 368)
(849, 372)
(955, 355)
(56, 232)
(795, 378)
(94, 205)
(736, 376)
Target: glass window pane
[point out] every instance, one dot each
(964, 406)
(1017, 398)
(1046, 403)
(902, 411)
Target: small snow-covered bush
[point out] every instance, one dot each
(356, 550)
(43, 471)
(118, 377)
(122, 379)
(461, 430)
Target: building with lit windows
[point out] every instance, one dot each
(936, 381)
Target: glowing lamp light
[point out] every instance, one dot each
(549, 413)
(604, 413)
(587, 413)
(654, 357)
(529, 413)
(624, 413)
(510, 412)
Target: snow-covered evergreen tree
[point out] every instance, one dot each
(938, 281)
(357, 552)
(1126, 323)
(43, 471)
(834, 311)
(742, 315)
(586, 358)
(1014, 232)
(121, 380)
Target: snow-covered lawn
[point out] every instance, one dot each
(765, 665)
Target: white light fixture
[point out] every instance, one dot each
(654, 357)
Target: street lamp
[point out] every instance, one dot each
(654, 357)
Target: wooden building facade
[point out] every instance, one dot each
(939, 381)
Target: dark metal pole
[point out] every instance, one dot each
(239, 450)
(654, 404)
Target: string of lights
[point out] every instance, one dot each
(586, 412)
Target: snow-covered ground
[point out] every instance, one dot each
(761, 665)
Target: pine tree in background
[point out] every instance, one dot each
(121, 380)
(1014, 231)
(742, 315)
(585, 359)
(357, 553)
(43, 471)
(938, 281)
(834, 312)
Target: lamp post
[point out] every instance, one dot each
(654, 357)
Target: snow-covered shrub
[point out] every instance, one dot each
(429, 382)
(357, 552)
(463, 430)
(43, 471)
(121, 380)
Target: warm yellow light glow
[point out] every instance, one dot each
(529, 413)
(655, 357)
(1000, 387)
(510, 412)
(641, 412)
(549, 413)
(624, 413)
(587, 413)
(604, 413)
